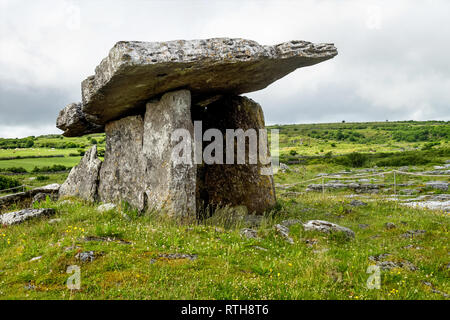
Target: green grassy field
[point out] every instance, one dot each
(230, 266)
(29, 164)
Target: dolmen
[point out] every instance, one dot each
(180, 138)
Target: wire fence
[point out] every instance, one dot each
(394, 172)
(23, 187)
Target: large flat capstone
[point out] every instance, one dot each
(134, 72)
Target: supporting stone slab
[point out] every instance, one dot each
(170, 185)
(123, 170)
(135, 71)
(236, 184)
(82, 181)
(147, 166)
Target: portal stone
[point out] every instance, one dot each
(170, 182)
(82, 181)
(123, 170)
(249, 184)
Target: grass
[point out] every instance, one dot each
(29, 164)
(228, 266)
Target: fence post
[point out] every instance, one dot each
(395, 185)
(323, 186)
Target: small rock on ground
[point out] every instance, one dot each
(106, 207)
(357, 203)
(87, 256)
(327, 227)
(36, 258)
(22, 215)
(289, 222)
(284, 232)
(174, 256)
(413, 233)
(389, 225)
(434, 290)
(249, 233)
(105, 239)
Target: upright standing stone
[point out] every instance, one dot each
(249, 184)
(82, 181)
(170, 185)
(123, 170)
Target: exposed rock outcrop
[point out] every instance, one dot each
(327, 227)
(22, 215)
(82, 181)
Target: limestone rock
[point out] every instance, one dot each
(50, 188)
(248, 184)
(327, 227)
(73, 122)
(106, 207)
(22, 215)
(42, 197)
(83, 179)
(440, 185)
(249, 233)
(289, 222)
(9, 199)
(390, 225)
(284, 167)
(357, 203)
(283, 231)
(123, 170)
(86, 256)
(135, 72)
(170, 174)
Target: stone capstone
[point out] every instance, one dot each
(82, 181)
(134, 72)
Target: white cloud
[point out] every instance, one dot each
(392, 60)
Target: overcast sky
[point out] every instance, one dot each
(393, 60)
